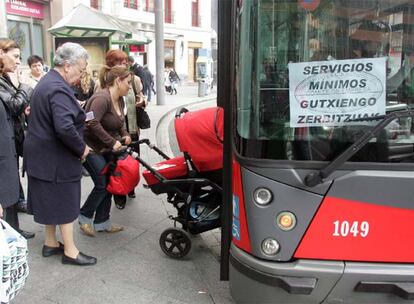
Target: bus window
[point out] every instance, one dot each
(312, 80)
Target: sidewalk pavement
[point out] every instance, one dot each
(131, 266)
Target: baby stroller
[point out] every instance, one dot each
(193, 181)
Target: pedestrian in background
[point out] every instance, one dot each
(104, 132)
(17, 78)
(16, 101)
(149, 83)
(54, 149)
(36, 72)
(84, 88)
(153, 85)
(142, 73)
(136, 68)
(174, 80)
(31, 79)
(167, 81)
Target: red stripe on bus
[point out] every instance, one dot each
(359, 231)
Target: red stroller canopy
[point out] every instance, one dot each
(200, 134)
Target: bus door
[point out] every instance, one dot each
(323, 141)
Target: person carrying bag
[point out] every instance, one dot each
(14, 268)
(143, 120)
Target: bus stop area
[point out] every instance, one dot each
(131, 267)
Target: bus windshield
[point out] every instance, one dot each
(313, 76)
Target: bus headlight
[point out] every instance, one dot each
(270, 246)
(262, 196)
(286, 220)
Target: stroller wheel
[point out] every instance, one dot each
(175, 243)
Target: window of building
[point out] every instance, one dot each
(38, 39)
(149, 5)
(169, 53)
(168, 18)
(195, 18)
(20, 32)
(95, 4)
(131, 4)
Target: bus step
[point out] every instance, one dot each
(404, 290)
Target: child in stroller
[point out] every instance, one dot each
(193, 181)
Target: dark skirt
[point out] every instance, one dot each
(52, 203)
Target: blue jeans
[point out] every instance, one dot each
(98, 203)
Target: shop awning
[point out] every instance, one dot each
(136, 39)
(84, 21)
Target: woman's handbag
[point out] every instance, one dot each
(14, 268)
(143, 120)
(123, 175)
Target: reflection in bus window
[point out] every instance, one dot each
(335, 38)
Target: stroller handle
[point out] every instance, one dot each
(119, 152)
(180, 111)
(150, 145)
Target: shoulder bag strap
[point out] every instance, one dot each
(134, 87)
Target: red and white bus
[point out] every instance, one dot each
(318, 98)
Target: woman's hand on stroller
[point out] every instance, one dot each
(126, 140)
(117, 146)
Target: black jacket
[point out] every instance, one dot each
(9, 176)
(16, 100)
(139, 71)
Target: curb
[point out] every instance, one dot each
(166, 114)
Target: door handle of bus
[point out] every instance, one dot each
(404, 290)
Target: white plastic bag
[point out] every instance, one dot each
(13, 260)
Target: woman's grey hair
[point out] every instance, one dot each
(70, 52)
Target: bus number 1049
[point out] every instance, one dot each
(355, 229)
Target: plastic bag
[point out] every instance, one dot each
(14, 268)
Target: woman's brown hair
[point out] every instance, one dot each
(115, 57)
(85, 81)
(8, 44)
(1, 66)
(108, 75)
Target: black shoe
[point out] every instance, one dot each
(81, 260)
(120, 201)
(85, 172)
(22, 207)
(26, 234)
(131, 194)
(47, 251)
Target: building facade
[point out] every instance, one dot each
(27, 23)
(187, 28)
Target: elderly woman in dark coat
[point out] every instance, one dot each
(15, 100)
(53, 151)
